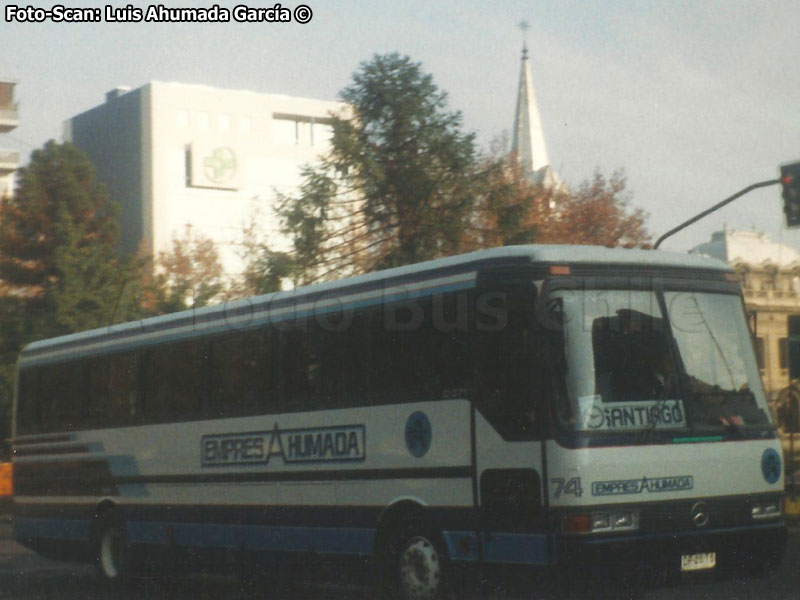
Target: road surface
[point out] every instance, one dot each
(26, 576)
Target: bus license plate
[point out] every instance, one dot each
(697, 562)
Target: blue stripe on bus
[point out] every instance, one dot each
(323, 540)
(461, 545)
(514, 548)
(51, 529)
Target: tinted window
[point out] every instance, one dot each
(343, 346)
(419, 350)
(123, 383)
(242, 377)
(28, 407)
(62, 395)
(99, 392)
(510, 364)
(175, 380)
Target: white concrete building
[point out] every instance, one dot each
(9, 159)
(174, 155)
(770, 276)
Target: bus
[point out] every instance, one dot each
(554, 408)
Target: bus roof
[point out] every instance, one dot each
(536, 254)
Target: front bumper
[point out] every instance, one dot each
(743, 550)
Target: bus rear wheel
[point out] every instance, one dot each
(112, 551)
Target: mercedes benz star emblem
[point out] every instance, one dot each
(700, 514)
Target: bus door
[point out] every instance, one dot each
(510, 418)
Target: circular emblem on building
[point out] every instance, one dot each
(771, 465)
(700, 515)
(418, 434)
(220, 165)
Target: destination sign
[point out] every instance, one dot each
(307, 445)
(656, 414)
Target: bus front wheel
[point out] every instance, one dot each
(112, 550)
(415, 564)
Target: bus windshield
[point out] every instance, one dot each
(629, 366)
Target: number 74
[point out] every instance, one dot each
(563, 486)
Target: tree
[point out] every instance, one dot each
(402, 184)
(397, 187)
(508, 209)
(57, 238)
(512, 210)
(598, 213)
(189, 275)
(58, 263)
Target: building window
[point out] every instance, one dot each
(202, 120)
(301, 130)
(182, 118)
(321, 135)
(284, 131)
(760, 353)
(245, 124)
(303, 137)
(783, 352)
(224, 123)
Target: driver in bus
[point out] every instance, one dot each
(656, 379)
(639, 360)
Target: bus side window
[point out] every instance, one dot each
(419, 349)
(99, 394)
(341, 342)
(112, 389)
(28, 404)
(175, 380)
(299, 368)
(259, 371)
(62, 390)
(508, 361)
(450, 351)
(123, 387)
(241, 374)
(381, 368)
(400, 346)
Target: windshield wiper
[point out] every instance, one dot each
(645, 434)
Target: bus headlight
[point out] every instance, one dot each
(767, 509)
(601, 521)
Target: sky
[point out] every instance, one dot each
(694, 100)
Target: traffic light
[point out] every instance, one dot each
(790, 182)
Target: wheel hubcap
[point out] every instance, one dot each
(420, 571)
(110, 547)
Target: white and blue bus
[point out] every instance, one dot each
(540, 406)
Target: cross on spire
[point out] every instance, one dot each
(523, 27)
(528, 137)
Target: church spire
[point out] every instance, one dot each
(528, 138)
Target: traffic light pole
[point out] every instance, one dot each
(708, 211)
